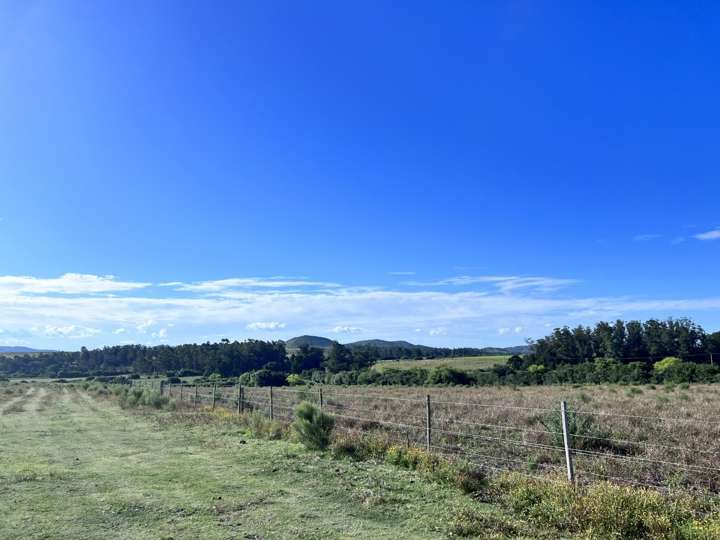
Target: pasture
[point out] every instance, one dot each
(462, 363)
(76, 467)
(658, 437)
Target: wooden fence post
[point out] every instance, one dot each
(321, 399)
(428, 423)
(214, 388)
(196, 396)
(181, 392)
(242, 399)
(162, 387)
(566, 442)
(238, 398)
(272, 415)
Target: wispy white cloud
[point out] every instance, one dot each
(346, 330)
(709, 235)
(160, 334)
(143, 325)
(66, 284)
(504, 283)
(224, 285)
(265, 325)
(68, 331)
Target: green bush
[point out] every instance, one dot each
(312, 426)
(666, 363)
(447, 375)
(295, 380)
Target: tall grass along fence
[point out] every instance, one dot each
(560, 443)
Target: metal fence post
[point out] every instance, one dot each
(272, 415)
(566, 442)
(214, 390)
(242, 399)
(428, 423)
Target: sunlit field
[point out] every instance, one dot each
(463, 363)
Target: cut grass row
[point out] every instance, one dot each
(74, 467)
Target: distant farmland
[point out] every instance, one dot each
(463, 363)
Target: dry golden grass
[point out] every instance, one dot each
(659, 436)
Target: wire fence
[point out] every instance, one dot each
(659, 452)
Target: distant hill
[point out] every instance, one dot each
(316, 342)
(400, 349)
(382, 344)
(6, 350)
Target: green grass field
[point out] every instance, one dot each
(75, 467)
(463, 363)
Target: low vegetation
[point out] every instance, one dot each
(312, 426)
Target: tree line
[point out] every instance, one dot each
(625, 342)
(566, 355)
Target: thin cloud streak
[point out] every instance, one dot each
(504, 283)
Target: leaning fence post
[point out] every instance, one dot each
(272, 416)
(238, 398)
(321, 399)
(214, 390)
(566, 442)
(428, 423)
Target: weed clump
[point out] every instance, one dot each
(605, 510)
(262, 427)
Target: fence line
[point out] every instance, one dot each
(447, 428)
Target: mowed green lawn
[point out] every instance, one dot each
(463, 363)
(75, 467)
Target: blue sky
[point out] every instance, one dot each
(453, 174)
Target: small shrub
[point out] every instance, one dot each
(579, 426)
(262, 427)
(312, 426)
(153, 399)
